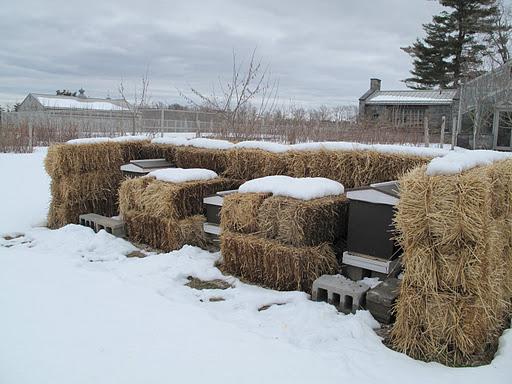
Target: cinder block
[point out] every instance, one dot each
(346, 295)
(98, 222)
(380, 300)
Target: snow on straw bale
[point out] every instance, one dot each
(197, 142)
(181, 175)
(306, 188)
(457, 162)
(264, 145)
(96, 140)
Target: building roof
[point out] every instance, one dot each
(73, 102)
(413, 97)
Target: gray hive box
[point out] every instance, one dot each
(380, 300)
(142, 167)
(213, 206)
(370, 221)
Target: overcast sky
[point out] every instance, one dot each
(322, 52)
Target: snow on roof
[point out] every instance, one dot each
(95, 140)
(181, 175)
(411, 97)
(306, 188)
(73, 102)
(457, 162)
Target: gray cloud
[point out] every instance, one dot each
(322, 52)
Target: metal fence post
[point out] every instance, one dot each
(425, 126)
(443, 127)
(30, 134)
(454, 132)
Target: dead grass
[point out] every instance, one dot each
(194, 282)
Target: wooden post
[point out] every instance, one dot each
(425, 126)
(454, 132)
(443, 127)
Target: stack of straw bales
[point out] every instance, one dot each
(281, 242)
(86, 177)
(167, 215)
(456, 293)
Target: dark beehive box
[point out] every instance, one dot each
(370, 221)
(137, 168)
(213, 205)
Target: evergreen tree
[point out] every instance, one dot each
(452, 49)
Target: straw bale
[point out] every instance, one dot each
(445, 327)
(248, 164)
(96, 185)
(158, 151)
(164, 233)
(67, 159)
(130, 193)
(274, 265)
(287, 220)
(303, 223)
(352, 168)
(169, 200)
(61, 213)
(191, 157)
(239, 212)
(132, 150)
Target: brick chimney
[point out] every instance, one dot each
(375, 84)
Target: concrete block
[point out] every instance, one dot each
(346, 295)
(97, 223)
(380, 300)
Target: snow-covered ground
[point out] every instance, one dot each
(75, 309)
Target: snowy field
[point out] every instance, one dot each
(75, 309)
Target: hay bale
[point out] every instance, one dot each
(352, 168)
(158, 151)
(191, 157)
(62, 213)
(287, 220)
(169, 200)
(164, 233)
(456, 294)
(248, 164)
(69, 159)
(239, 212)
(303, 223)
(454, 330)
(168, 215)
(274, 265)
(90, 186)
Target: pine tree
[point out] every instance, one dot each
(452, 49)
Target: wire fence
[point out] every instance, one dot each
(20, 131)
